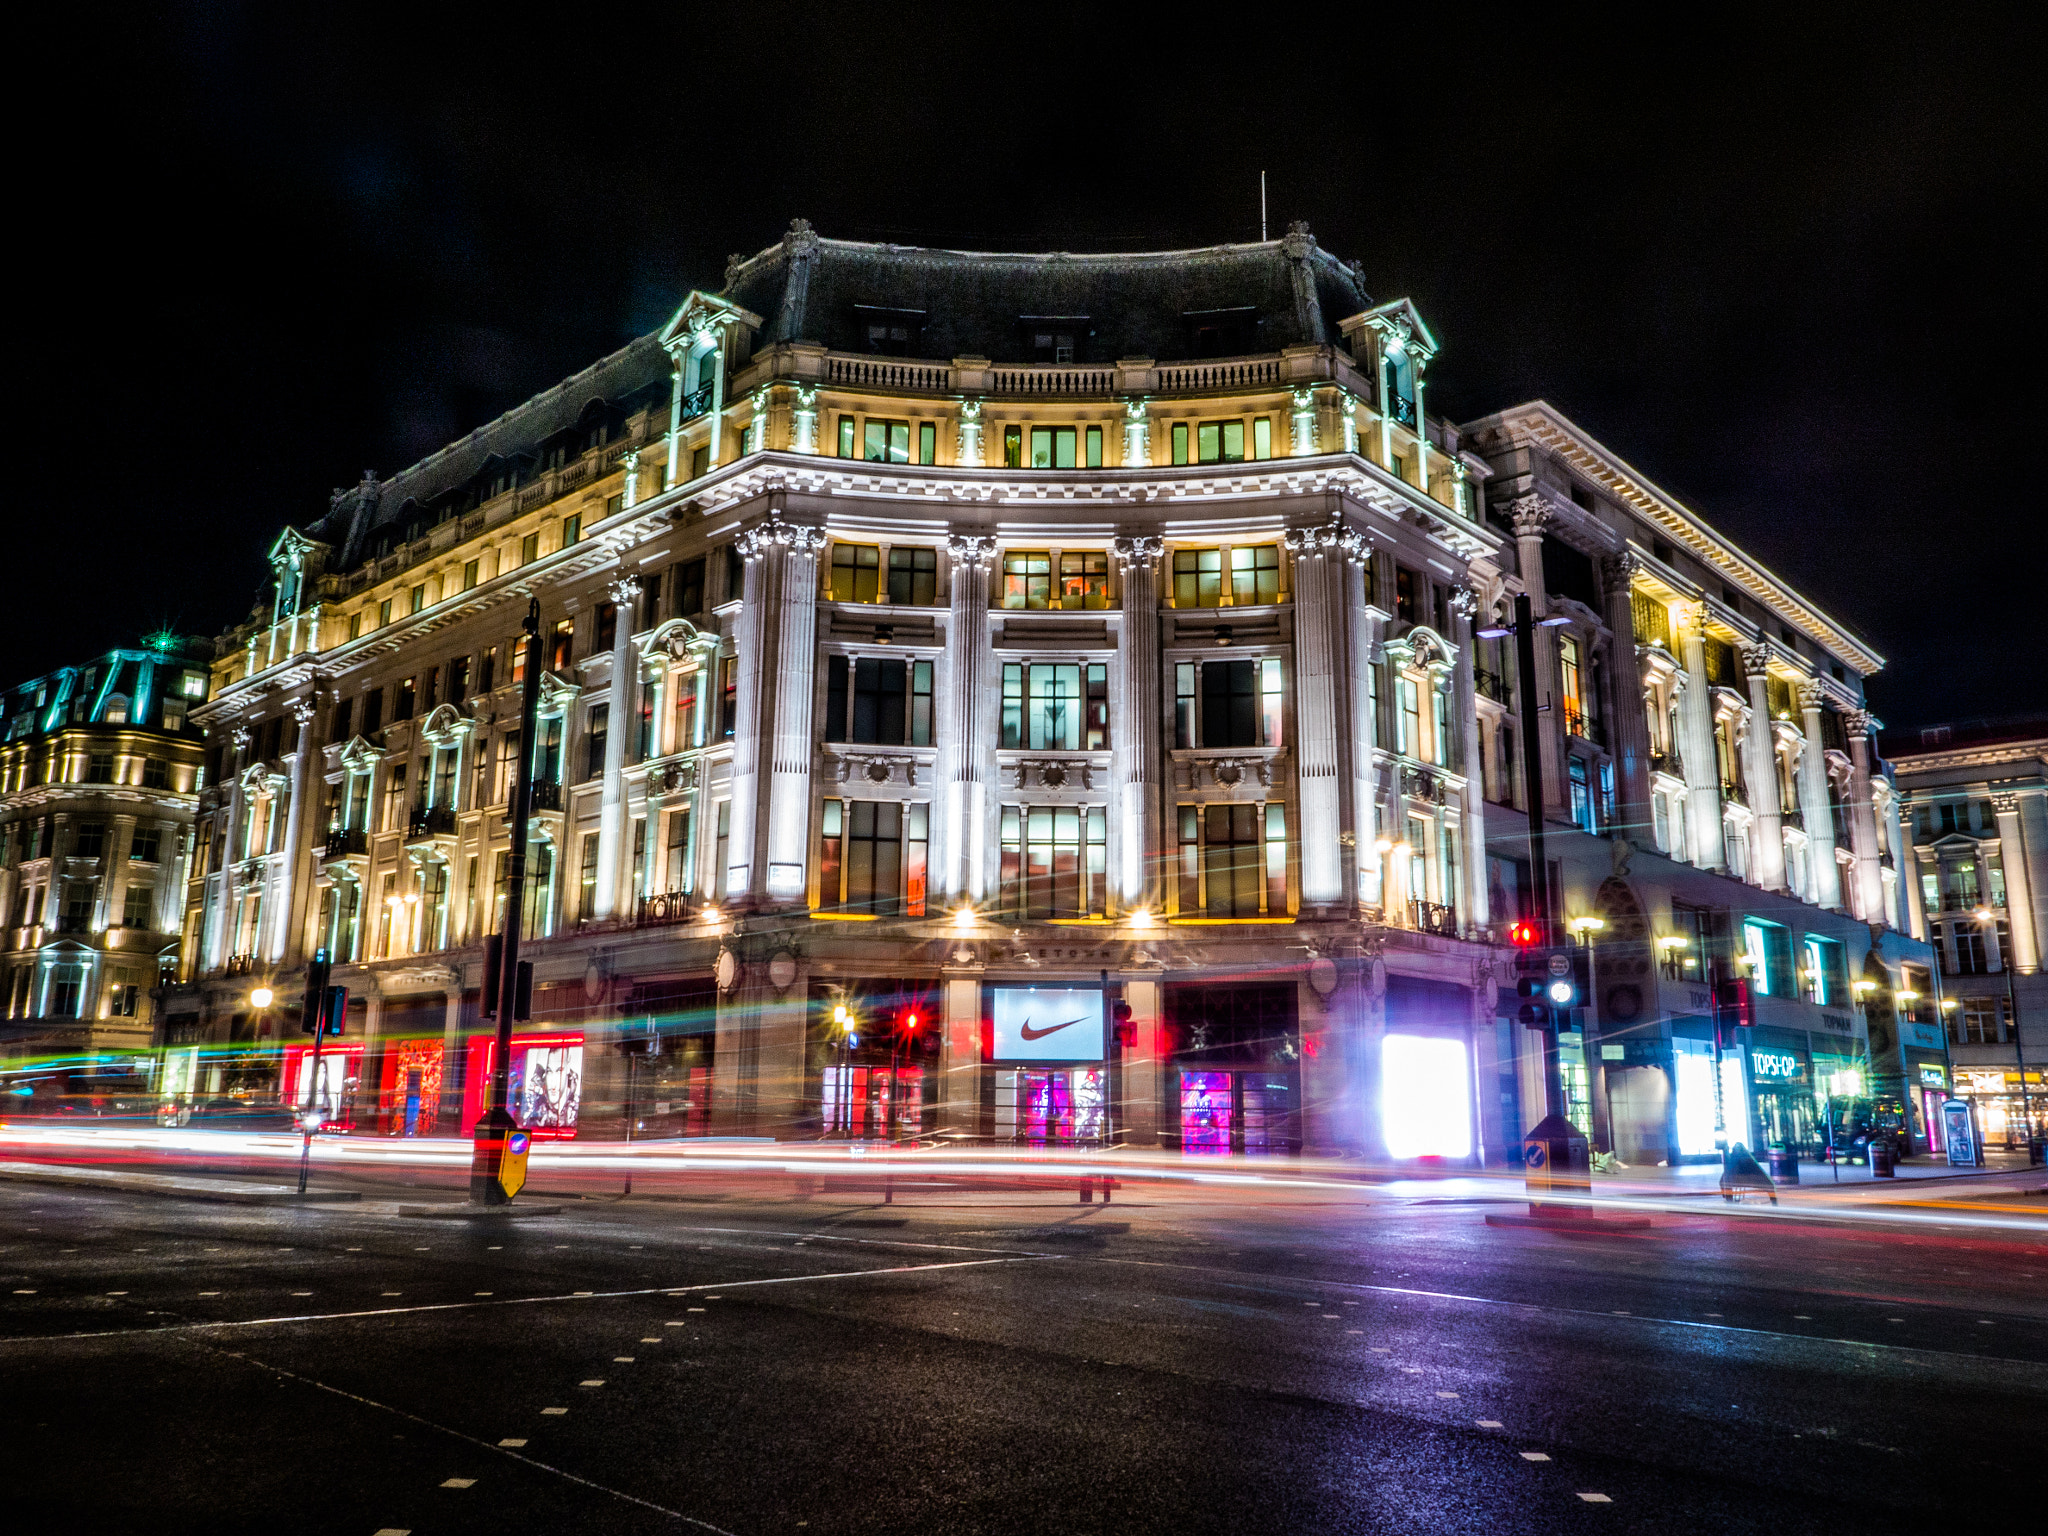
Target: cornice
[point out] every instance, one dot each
(1541, 424)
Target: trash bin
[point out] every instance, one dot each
(1881, 1158)
(1784, 1165)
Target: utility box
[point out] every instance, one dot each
(1555, 1162)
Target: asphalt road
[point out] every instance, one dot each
(1183, 1361)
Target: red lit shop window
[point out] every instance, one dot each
(882, 1103)
(546, 1088)
(409, 1097)
(333, 1089)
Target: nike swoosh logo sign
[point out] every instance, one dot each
(1028, 1033)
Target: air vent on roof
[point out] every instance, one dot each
(1935, 736)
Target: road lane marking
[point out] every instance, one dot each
(1488, 1423)
(459, 1482)
(1596, 1498)
(597, 1383)
(456, 1434)
(1534, 1456)
(555, 1412)
(512, 1444)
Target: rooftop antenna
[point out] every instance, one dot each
(1262, 207)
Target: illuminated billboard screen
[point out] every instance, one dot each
(1047, 1024)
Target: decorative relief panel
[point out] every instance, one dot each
(858, 770)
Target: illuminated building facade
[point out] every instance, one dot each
(99, 767)
(1973, 808)
(1716, 805)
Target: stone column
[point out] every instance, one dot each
(965, 755)
(671, 475)
(1135, 736)
(1813, 801)
(1863, 841)
(1361, 637)
(789, 780)
(754, 635)
(2019, 892)
(1472, 818)
(114, 888)
(717, 443)
(1531, 517)
(1316, 720)
(611, 816)
(284, 941)
(1627, 722)
(1768, 867)
(1696, 727)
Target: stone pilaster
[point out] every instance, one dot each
(1813, 800)
(1696, 748)
(1316, 715)
(1767, 846)
(1863, 840)
(1531, 518)
(611, 816)
(966, 754)
(1361, 639)
(1628, 725)
(286, 940)
(789, 783)
(1474, 908)
(1135, 739)
(2019, 894)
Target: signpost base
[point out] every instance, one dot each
(1556, 1167)
(488, 1160)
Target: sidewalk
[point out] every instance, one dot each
(171, 1186)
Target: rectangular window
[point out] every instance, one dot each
(1084, 579)
(586, 901)
(886, 442)
(1821, 966)
(487, 670)
(572, 530)
(1581, 794)
(1013, 447)
(430, 688)
(1568, 685)
(355, 626)
(145, 845)
(1045, 708)
(728, 696)
(1233, 856)
(1180, 442)
(1054, 861)
(529, 549)
(927, 442)
(1255, 574)
(914, 577)
(561, 645)
(679, 873)
(1052, 448)
(594, 740)
(1185, 728)
(91, 841)
(845, 437)
(1262, 437)
(1276, 857)
(384, 613)
(458, 680)
(1027, 578)
(605, 631)
(1220, 442)
(402, 700)
(1197, 578)
(871, 700)
(1094, 447)
(689, 588)
(721, 851)
(471, 569)
(1241, 703)
(1767, 957)
(856, 570)
(874, 856)
(418, 599)
(685, 712)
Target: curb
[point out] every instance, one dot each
(173, 1189)
(477, 1213)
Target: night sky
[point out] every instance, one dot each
(1790, 274)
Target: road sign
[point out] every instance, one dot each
(512, 1164)
(1560, 963)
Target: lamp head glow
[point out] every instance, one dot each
(1552, 623)
(712, 915)
(1561, 992)
(1583, 925)
(1384, 845)
(260, 997)
(1492, 634)
(1949, 1005)
(839, 1014)
(1866, 985)
(1673, 941)
(1142, 918)
(964, 917)
(1982, 914)
(1907, 995)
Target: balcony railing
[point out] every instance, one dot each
(697, 403)
(547, 795)
(1578, 723)
(1792, 816)
(1434, 917)
(669, 907)
(1490, 686)
(239, 965)
(1402, 410)
(1732, 793)
(432, 821)
(73, 922)
(343, 841)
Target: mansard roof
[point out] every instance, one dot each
(974, 303)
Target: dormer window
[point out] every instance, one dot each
(1222, 332)
(1057, 339)
(890, 332)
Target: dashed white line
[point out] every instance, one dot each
(554, 1412)
(1596, 1498)
(597, 1383)
(512, 1444)
(459, 1482)
(1534, 1456)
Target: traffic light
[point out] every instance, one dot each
(1126, 1026)
(1524, 934)
(1734, 1008)
(1532, 1007)
(334, 1014)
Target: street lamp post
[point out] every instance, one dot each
(501, 986)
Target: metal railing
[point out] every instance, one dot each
(1732, 792)
(1490, 686)
(342, 841)
(239, 965)
(1434, 917)
(432, 821)
(547, 795)
(1792, 816)
(668, 907)
(1582, 725)
(697, 403)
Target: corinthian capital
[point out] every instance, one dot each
(1354, 546)
(1756, 656)
(1140, 549)
(624, 592)
(1811, 694)
(1306, 541)
(970, 551)
(1619, 570)
(803, 539)
(303, 710)
(1464, 602)
(1530, 516)
(1859, 723)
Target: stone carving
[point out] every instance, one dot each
(874, 768)
(806, 418)
(1756, 656)
(1137, 434)
(970, 434)
(1530, 515)
(672, 778)
(970, 551)
(624, 593)
(1464, 602)
(1141, 549)
(1619, 570)
(772, 532)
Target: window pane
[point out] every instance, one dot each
(1233, 441)
(1208, 442)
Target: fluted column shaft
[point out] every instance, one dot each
(1628, 725)
(1316, 716)
(754, 636)
(1361, 635)
(611, 816)
(1531, 517)
(966, 757)
(1135, 738)
(789, 771)
(1863, 841)
(1702, 770)
(1813, 800)
(284, 942)
(1767, 865)
(2019, 889)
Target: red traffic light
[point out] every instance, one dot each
(1523, 935)
(910, 1022)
